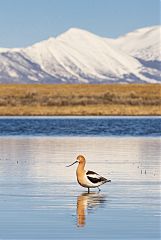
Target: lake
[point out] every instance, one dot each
(41, 199)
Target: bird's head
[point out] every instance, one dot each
(80, 159)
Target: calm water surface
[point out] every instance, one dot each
(40, 198)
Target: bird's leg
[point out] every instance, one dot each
(99, 189)
(88, 190)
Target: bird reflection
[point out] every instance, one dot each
(89, 202)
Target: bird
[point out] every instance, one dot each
(87, 179)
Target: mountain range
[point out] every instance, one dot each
(78, 56)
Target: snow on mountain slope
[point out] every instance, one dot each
(15, 67)
(144, 43)
(4, 50)
(8, 50)
(78, 56)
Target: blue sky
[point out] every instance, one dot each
(24, 22)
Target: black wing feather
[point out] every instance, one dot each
(97, 180)
(90, 172)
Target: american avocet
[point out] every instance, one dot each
(87, 179)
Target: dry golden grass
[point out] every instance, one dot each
(132, 99)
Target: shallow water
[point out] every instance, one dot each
(40, 198)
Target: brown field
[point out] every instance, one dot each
(41, 99)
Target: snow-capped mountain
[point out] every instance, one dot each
(145, 45)
(78, 56)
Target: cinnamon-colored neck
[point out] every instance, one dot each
(80, 167)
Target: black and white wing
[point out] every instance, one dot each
(95, 178)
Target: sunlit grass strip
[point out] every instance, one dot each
(133, 99)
